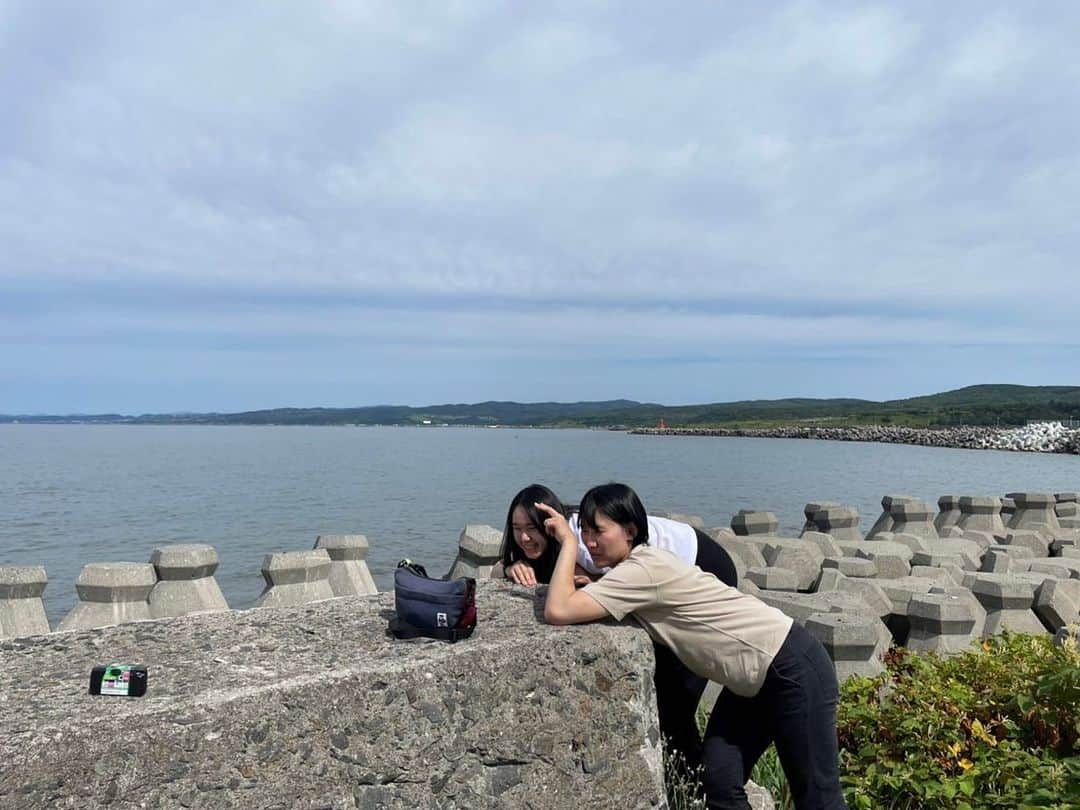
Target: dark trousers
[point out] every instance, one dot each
(678, 690)
(796, 709)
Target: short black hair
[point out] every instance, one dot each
(527, 499)
(619, 503)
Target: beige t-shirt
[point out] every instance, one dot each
(719, 632)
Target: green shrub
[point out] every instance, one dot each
(996, 727)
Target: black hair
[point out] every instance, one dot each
(544, 565)
(619, 503)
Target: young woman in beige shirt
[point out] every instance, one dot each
(779, 684)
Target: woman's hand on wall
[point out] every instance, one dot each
(522, 573)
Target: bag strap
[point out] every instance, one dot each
(404, 630)
(415, 568)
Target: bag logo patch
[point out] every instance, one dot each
(440, 620)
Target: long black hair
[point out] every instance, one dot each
(544, 565)
(619, 503)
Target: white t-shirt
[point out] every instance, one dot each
(670, 535)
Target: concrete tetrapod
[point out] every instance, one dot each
(940, 623)
(913, 517)
(1057, 603)
(812, 509)
(982, 514)
(111, 593)
(1008, 601)
(748, 522)
(884, 523)
(948, 512)
(295, 578)
(21, 610)
(966, 595)
(1034, 510)
(349, 574)
(479, 549)
(850, 642)
(842, 522)
(185, 581)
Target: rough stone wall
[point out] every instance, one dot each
(315, 706)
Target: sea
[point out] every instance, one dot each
(74, 494)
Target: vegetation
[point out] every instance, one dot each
(975, 405)
(996, 727)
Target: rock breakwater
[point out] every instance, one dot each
(1038, 437)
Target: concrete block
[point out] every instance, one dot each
(812, 509)
(964, 593)
(891, 559)
(970, 553)
(998, 561)
(295, 578)
(884, 523)
(1008, 601)
(1068, 509)
(1070, 522)
(913, 517)
(1033, 510)
(1008, 509)
(773, 579)
(869, 593)
(860, 567)
(951, 531)
(803, 559)
(899, 593)
(1071, 552)
(479, 548)
(1061, 567)
(940, 623)
(1066, 497)
(912, 541)
(982, 539)
(22, 612)
(740, 551)
(1038, 542)
(1057, 603)
(826, 542)
(926, 559)
(980, 513)
(747, 522)
(948, 512)
(111, 593)
(349, 574)
(850, 641)
(842, 522)
(935, 572)
(691, 520)
(185, 581)
(829, 580)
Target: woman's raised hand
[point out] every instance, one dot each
(522, 573)
(556, 525)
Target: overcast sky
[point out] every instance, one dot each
(224, 206)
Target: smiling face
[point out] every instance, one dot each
(608, 542)
(529, 537)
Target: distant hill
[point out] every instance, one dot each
(974, 405)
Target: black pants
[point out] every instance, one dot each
(796, 709)
(678, 690)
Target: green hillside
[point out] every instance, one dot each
(974, 405)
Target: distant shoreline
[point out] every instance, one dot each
(1034, 438)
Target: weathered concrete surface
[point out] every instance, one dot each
(315, 706)
(747, 522)
(22, 612)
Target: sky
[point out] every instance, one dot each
(212, 206)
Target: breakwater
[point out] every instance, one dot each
(1039, 437)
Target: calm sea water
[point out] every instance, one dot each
(74, 494)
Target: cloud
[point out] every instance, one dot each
(645, 183)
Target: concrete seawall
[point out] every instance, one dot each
(315, 706)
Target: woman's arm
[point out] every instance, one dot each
(565, 603)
